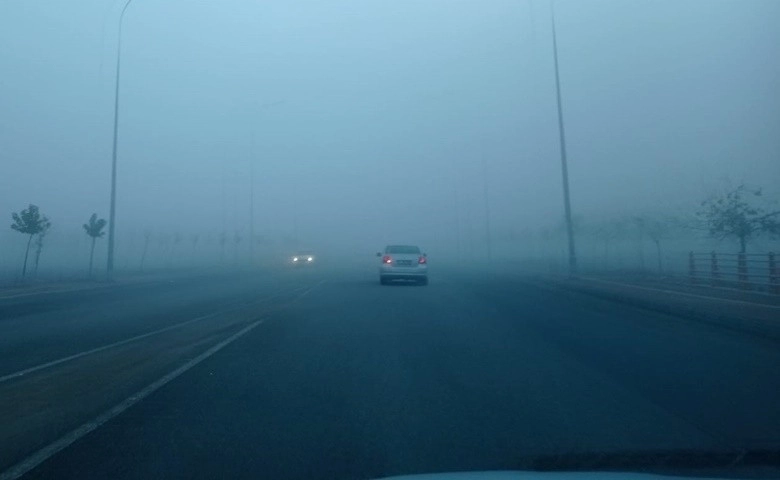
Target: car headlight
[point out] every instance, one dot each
(310, 259)
(295, 259)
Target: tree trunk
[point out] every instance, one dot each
(91, 256)
(658, 251)
(742, 244)
(38, 257)
(26, 254)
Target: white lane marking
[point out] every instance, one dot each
(672, 292)
(69, 358)
(308, 290)
(63, 442)
(68, 439)
(86, 288)
(46, 292)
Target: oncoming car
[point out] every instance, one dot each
(303, 258)
(403, 262)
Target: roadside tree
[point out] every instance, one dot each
(95, 230)
(736, 214)
(29, 222)
(39, 246)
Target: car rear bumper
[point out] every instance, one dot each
(403, 273)
(413, 278)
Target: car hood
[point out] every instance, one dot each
(659, 464)
(520, 475)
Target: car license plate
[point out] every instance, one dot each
(404, 263)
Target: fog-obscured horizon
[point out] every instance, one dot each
(365, 123)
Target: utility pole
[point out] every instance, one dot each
(223, 234)
(295, 217)
(457, 224)
(564, 165)
(112, 210)
(488, 238)
(252, 201)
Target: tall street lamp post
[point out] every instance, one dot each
(564, 165)
(112, 212)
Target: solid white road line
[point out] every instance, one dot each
(62, 290)
(47, 452)
(106, 347)
(685, 294)
(63, 442)
(232, 307)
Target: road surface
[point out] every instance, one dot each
(325, 374)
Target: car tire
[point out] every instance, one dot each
(382, 281)
(424, 281)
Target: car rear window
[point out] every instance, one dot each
(402, 249)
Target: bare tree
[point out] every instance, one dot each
(734, 215)
(95, 230)
(608, 232)
(29, 222)
(657, 229)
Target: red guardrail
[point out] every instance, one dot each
(750, 271)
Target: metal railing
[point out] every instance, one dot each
(749, 271)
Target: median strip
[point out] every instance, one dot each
(63, 442)
(69, 358)
(124, 364)
(739, 315)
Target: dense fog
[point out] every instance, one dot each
(344, 126)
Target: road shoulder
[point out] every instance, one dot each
(745, 315)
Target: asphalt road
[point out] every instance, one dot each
(327, 375)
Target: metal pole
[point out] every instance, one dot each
(487, 210)
(457, 224)
(112, 211)
(564, 166)
(295, 218)
(252, 202)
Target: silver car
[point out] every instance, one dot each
(403, 262)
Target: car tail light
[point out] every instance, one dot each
(387, 259)
(422, 260)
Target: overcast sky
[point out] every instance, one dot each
(380, 121)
